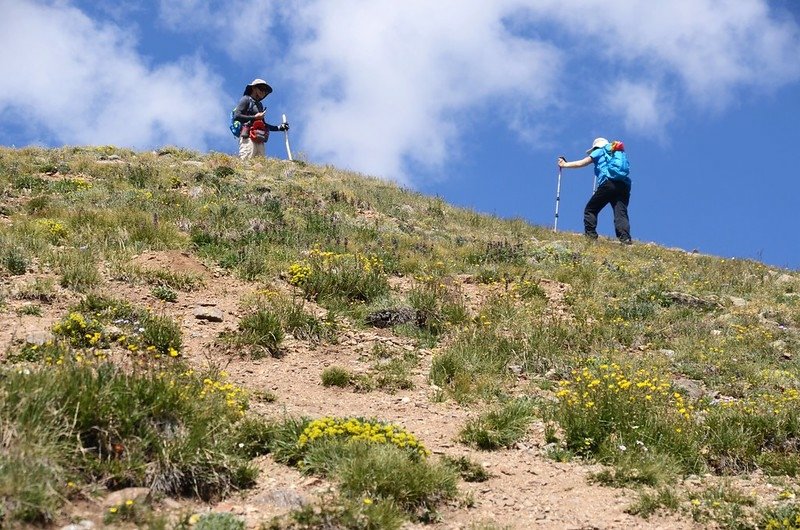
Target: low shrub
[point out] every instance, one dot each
(166, 428)
(261, 332)
(335, 376)
(327, 275)
(499, 428)
(607, 408)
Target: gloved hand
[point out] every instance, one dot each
(283, 127)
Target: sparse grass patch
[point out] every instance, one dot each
(500, 252)
(30, 310)
(341, 512)
(15, 261)
(160, 278)
(394, 374)
(162, 333)
(97, 321)
(785, 517)
(474, 365)
(723, 504)
(129, 511)
(634, 466)
(468, 469)
(162, 292)
(41, 289)
(219, 521)
(352, 277)
(168, 429)
(605, 407)
(650, 502)
(260, 331)
(299, 322)
(374, 463)
(416, 486)
(336, 376)
(499, 428)
(78, 271)
(761, 429)
(437, 306)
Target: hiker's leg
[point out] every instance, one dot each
(622, 225)
(599, 199)
(245, 148)
(260, 149)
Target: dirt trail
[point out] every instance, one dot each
(526, 489)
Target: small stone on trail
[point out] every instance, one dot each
(39, 338)
(119, 497)
(83, 525)
(211, 314)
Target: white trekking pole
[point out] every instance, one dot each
(286, 136)
(558, 196)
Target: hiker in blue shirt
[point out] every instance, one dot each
(611, 188)
(250, 113)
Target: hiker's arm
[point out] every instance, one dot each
(578, 163)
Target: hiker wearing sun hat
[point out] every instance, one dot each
(249, 113)
(612, 186)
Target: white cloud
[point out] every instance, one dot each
(386, 82)
(73, 79)
(712, 46)
(643, 107)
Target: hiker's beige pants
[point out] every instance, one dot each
(248, 149)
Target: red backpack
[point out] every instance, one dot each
(258, 132)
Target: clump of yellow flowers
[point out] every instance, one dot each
(354, 429)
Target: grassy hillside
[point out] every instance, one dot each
(674, 375)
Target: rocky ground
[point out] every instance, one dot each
(526, 489)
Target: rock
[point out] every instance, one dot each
(694, 389)
(737, 302)
(117, 498)
(778, 345)
(196, 192)
(83, 525)
(784, 278)
(113, 332)
(287, 498)
(211, 314)
(667, 353)
(386, 318)
(690, 300)
(39, 338)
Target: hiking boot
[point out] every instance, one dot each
(626, 241)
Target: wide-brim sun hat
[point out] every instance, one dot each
(598, 142)
(257, 82)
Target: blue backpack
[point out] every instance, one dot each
(236, 125)
(617, 161)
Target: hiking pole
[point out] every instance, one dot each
(558, 195)
(286, 136)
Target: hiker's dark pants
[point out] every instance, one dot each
(618, 194)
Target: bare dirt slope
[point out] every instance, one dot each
(526, 490)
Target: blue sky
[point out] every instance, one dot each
(468, 100)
